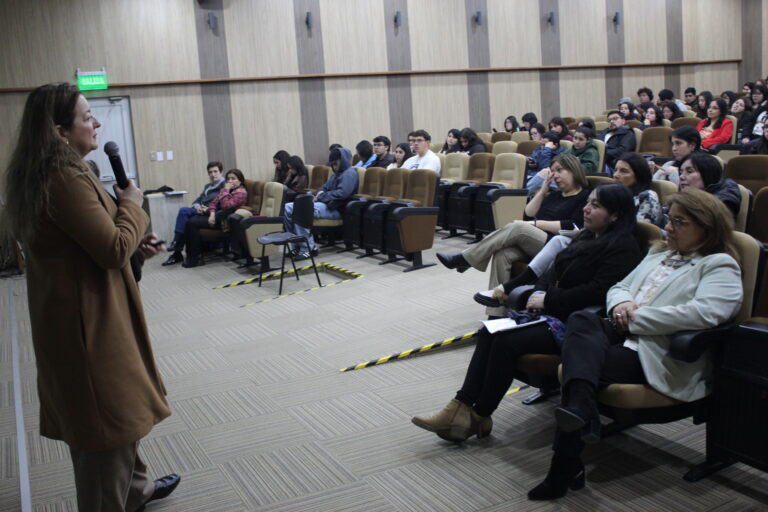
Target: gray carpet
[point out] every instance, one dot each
(263, 420)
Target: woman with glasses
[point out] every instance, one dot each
(704, 172)
(754, 123)
(716, 129)
(691, 281)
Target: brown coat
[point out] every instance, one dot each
(98, 384)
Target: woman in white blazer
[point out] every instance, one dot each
(692, 281)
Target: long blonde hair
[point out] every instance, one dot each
(40, 152)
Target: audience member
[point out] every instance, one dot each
(452, 144)
(231, 197)
(644, 95)
(703, 100)
(690, 98)
(402, 154)
(758, 146)
(297, 180)
(511, 124)
(746, 89)
(666, 95)
(365, 153)
(585, 149)
(690, 282)
(632, 171)
(705, 172)
(557, 124)
(685, 140)
(199, 206)
(753, 124)
(628, 110)
(603, 253)
(716, 129)
(329, 200)
(529, 119)
(422, 157)
(587, 122)
(333, 146)
(470, 142)
(618, 138)
(536, 130)
(729, 97)
(547, 213)
(653, 117)
(539, 161)
(280, 159)
(670, 111)
(741, 109)
(381, 147)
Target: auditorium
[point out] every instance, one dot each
(384, 255)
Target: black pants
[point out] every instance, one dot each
(490, 371)
(192, 231)
(593, 351)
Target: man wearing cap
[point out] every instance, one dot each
(330, 198)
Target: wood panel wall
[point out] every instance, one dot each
(157, 41)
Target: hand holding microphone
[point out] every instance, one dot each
(125, 190)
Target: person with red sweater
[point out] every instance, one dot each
(716, 128)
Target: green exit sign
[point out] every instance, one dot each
(92, 80)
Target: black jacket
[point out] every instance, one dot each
(621, 141)
(209, 193)
(383, 161)
(583, 273)
(729, 193)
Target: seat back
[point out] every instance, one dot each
(360, 176)
(527, 147)
(272, 199)
(456, 167)
(481, 167)
(601, 125)
(498, 136)
(420, 187)
(748, 170)
(484, 136)
(733, 131)
(566, 144)
(488, 146)
(435, 147)
(509, 169)
(685, 121)
(649, 233)
(520, 137)
(598, 180)
(504, 146)
(441, 156)
(688, 113)
(743, 215)
(633, 123)
(757, 226)
(373, 181)
(304, 210)
(601, 152)
(656, 141)
(664, 189)
(638, 138)
(749, 251)
(394, 182)
(255, 191)
(318, 176)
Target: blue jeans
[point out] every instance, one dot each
(185, 213)
(321, 212)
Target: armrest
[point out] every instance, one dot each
(411, 211)
(260, 220)
(495, 194)
(724, 147)
(689, 346)
(469, 189)
(518, 296)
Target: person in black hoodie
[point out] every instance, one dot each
(618, 138)
(602, 254)
(704, 172)
(470, 142)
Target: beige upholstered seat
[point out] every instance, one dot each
(509, 170)
(656, 141)
(456, 166)
(664, 189)
(757, 225)
(499, 136)
(520, 137)
(749, 170)
(685, 121)
(504, 146)
(601, 152)
(527, 147)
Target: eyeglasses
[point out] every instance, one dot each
(378, 144)
(614, 118)
(679, 222)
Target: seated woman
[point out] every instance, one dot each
(741, 109)
(758, 146)
(588, 123)
(511, 125)
(685, 140)
(297, 179)
(691, 282)
(753, 123)
(402, 153)
(470, 142)
(280, 159)
(704, 172)
(231, 197)
(549, 212)
(557, 124)
(729, 97)
(585, 149)
(601, 255)
(671, 111)
(628, 110)
(633, 172)
(716, 128)
(703, 101)
(536, 131)
(451, 142)
(653, 117)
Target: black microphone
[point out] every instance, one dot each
(113, 152)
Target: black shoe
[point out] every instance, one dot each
(163, 487)
(192, 263)
(452, 261)
(581, 412)
(173, 259)
(172, 246)
(564, 473)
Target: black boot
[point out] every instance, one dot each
(173, 259)
(456, 261)
(565, 472)
(579, 410)
(526, 277)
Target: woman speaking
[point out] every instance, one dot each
(100, 390)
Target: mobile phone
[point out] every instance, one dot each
(157, 243)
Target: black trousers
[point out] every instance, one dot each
(490, 371)
(192, 231)
(593, 351)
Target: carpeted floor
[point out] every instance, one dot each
(263, 420)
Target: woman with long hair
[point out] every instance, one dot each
(671, 111)
(753, 123)
(653, 117)
(99, 388)
(451, 144)
(470, 142)
(633, 172)
(685, 140)
(402, 153)
(716, 129)
(297, 179)
(703, 100)
(601, 255)
(280, 159)
(691, 281)
(557, 124)
(511, 125)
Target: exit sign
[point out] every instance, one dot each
(92, 80)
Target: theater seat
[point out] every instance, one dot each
(664, 189)
(686, 120)
(461, 198)
(504, 146)
(527, 147)
(757, 226)
(520, 137)
(499, 136)
(318, 176)
(601, 152)
(255, 191)
(744, 208)
(356, 210)
(508, 177)
(749, 170)
(267, 221)
(371, 183)
(655, 141)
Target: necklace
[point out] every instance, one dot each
(676, 260)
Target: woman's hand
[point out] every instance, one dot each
(535, 302)
(200, 210)
(544, 173)
(745, 140)
(130, 193)
(212, 219)
(623, 313)
(146, 250)
(228, 186)
(545, 187)
(550, 145)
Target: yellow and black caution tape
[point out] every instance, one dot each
(413, 351)
(321, 267)
(270, 299)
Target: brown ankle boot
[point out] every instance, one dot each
(455, 422)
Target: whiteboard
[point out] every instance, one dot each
(114, 114)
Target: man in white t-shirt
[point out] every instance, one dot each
(423, 157)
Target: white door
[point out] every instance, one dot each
(114, 114)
